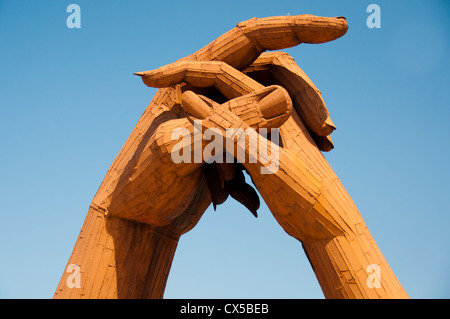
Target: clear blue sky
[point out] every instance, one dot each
(69, 100)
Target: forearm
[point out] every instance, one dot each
(319, 212)
(335, 238)
(352, 266)
(117, 259)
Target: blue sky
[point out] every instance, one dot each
(69, 100)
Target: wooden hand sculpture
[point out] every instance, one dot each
(147, 200)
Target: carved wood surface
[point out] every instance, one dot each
(147, 201)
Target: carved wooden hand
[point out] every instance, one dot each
(146, 201)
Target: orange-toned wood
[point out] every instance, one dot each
(146, 201)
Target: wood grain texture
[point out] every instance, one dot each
(119, 259)
(146, 201)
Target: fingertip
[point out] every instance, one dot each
(145, 78)
(324, 143)
(313, 29)
(194, 105)
(148, 80)
(341, 27)
(325, 130)
(330, 125)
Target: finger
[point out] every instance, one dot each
(229, 81)
(307, 98)
(268, 107)
(194, 105)
(240, 46)
(324, 143)
(275, 33)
